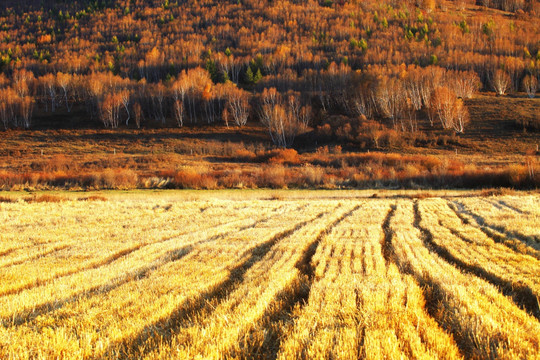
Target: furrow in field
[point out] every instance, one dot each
(240, 326)
(360, 305)
(521, 226)
(25, 229)
(165, 329)
(529, 204)
(90, 326)
(484, 322)
(28, 254)
(276, 322)
(515, 243)
(62, 267)
(511, 207)
(76, 230)
(9, 251)
(329, 314)
(388, 234)
(45, 297)
(265, 338)
(17, 287)
(520, 273)
(58, 265)
(23, 258)
(514, 274)
(42, 309)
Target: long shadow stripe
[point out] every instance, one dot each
(522, 295)
(166, 328)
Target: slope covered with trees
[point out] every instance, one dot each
(164, 62)
(358, 74)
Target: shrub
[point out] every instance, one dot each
(5, 199)
(113, 179)
(44, 198)
(283, 156)
(244, 155)
(312, 176)
(57, 163)
(92, 198)
(273, 176)
(194, 178)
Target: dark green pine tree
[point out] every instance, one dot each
(249, 76)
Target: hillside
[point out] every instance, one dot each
(186, 79)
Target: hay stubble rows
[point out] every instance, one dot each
(280, 278)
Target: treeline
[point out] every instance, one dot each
(288, 64)
(285, 103)
(398, 97)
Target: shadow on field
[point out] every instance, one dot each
(165, 329)
(36, 311)
(521, 294)
(288, 304)
(513, 240)
(171, 256)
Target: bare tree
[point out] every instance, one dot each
(282, 127)
(157, 96)
(391, 99)
(450, 110)
(7, 104)
(48, 83)
(125, 96)
(180, 89)
(413, 88)
(238, 105)
(464, 83)
(137, 112)
(236, 66)
(284, 119)
(530, 85)
(22, 82)
(305, 116)
(226, 116)
(4, 113)
(10, 104)
(362, 104)
(179, 112)
(64, 82)
(410, 111)
(110, 110)
(269, 99)
(442, 104)
(95, 89)
(432, 78)
(461, 117)
(500, 81)
(26, 106)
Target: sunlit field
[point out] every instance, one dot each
(270, 275)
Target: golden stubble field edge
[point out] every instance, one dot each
(270, 273)
(262, 194)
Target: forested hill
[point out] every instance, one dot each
(143, 63)
(46, 5)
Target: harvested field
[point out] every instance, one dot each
(271, 275)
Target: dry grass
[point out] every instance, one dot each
(269, 275)
(93, 198)
(219, 157)
(44, 198)
(485, 323)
